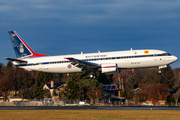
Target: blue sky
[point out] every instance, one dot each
(59, 27)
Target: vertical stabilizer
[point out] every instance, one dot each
(21, 48)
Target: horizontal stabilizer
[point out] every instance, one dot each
(16, 60)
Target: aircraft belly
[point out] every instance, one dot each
(139, 63)
(53, 68)
(65, 68)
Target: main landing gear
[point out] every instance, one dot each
(92, 76)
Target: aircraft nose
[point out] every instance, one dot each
(175, 58)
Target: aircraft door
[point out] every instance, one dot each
(40, 66)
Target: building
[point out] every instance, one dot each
(51, 86)
(112, 94)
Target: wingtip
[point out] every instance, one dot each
(68, 58)
(6, 58)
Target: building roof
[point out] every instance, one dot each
(56, 85)
(146, 88)
(134, 90)
(110, 87)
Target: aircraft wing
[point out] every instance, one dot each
(16, 60)
(84, 65)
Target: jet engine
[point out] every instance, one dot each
(110, 68)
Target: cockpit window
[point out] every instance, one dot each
(166, 54)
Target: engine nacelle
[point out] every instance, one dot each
(164, 66)
(110, 68)
(160, 67)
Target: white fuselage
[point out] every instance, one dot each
(123, 59)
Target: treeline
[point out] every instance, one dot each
(29, 84)
(153, 85)
(79, 86)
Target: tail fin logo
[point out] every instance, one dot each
(21, 48)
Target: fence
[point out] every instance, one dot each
(53, 102)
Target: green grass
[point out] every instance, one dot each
(89, 115)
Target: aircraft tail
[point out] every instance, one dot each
(21, 48)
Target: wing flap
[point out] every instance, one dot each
(83, 64)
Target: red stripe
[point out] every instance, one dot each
(109, 67)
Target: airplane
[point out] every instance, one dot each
(106, 62)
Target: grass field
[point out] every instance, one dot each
(89, 115)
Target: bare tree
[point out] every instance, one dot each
(5, 85)
(94, 94)
(177, 77)
(176, 96)
(2, 68)
(152, 92)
